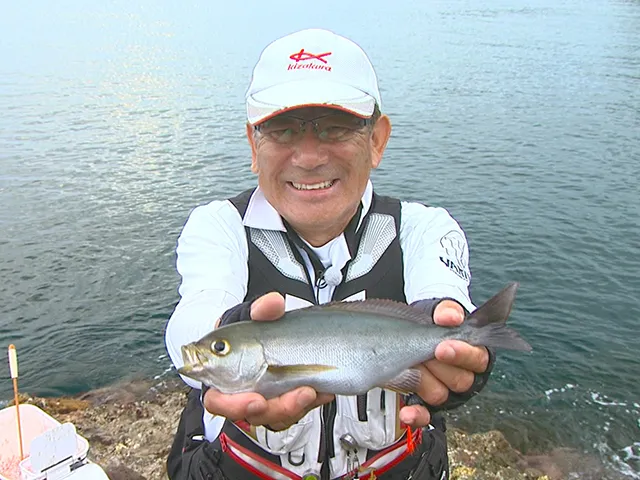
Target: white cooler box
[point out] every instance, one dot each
(52, 451)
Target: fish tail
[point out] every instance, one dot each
(498, 335)
(489, 322)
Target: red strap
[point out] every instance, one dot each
(411, 446)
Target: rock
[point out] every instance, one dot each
(559, 463)
(55, 406)
(117, 471)
(123, 393)
(130, 429)
(485, 456)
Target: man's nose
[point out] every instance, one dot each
(309, 151)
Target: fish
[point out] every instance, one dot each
(342, 348)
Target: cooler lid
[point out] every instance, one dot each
(53, 446)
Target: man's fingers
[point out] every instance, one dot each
(415, 416)
(283, 408)
(454, 378)
(288, 408)
(268, 307)
(461, 354)
(234, 407)
(278, 413)
(431, 390)
(321, 399)
(448, 314)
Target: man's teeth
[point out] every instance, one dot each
(312, 186)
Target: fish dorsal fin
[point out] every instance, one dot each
(373, 306)
(496, 309)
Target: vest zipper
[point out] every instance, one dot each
(328, 415)
(362, 407)
(383, 409)
(327, 446)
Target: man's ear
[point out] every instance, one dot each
(379, 139)
(252, 143)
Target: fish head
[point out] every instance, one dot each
(228, 364)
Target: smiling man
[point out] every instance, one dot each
(314, 231)
(313, 167)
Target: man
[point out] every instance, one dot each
(311, 232)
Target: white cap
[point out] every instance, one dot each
(312, 67)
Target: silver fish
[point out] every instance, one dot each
(344, 348)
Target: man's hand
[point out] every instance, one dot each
(453, 368)
(277, 413)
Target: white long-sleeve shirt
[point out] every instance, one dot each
(212, 259)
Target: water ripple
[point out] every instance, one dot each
(521, 120)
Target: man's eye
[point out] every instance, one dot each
(334, 132)
(281, 135)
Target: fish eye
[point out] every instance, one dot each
(220, 347)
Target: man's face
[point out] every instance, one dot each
(315, 178)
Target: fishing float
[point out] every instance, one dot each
(13, 367)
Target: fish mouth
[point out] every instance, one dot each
(193, 359)
(186, 370)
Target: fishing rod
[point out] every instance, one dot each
(13, 367)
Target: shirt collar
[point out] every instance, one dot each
(261, 214)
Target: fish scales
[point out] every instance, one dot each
(342, 348)
(354, 343)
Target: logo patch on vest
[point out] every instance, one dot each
(456, 254)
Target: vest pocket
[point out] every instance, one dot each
(379, 411)
(293, 439)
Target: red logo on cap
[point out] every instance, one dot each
(302, 56)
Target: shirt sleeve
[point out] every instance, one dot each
(435, 254)
(212, 255)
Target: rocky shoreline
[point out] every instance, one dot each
(130, 428)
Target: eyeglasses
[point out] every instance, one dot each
(331, 128)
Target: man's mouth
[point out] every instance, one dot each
(312, 186)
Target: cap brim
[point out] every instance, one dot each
(280, 98)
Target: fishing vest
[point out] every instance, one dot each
(363, 431)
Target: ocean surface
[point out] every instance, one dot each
(522, 118)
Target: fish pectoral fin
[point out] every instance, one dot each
(405, 382)
(299, 370)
